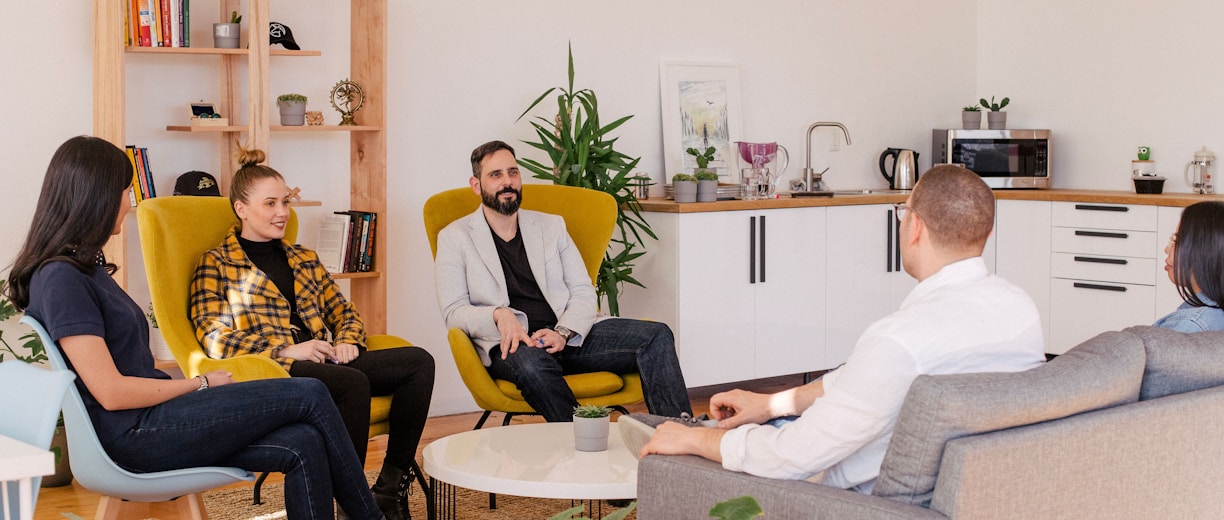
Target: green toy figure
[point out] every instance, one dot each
(1144, 153)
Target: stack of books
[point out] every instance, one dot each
(158, 23)
(346, 241)
(142, 175)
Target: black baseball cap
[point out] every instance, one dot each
(197, 183)
(280, 33)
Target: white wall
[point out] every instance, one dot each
(461, 71)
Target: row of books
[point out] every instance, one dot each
(158, 23)
(142, 175)
(346, 241)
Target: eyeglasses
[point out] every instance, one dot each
(900, 209)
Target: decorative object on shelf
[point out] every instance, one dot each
(1200, 172)
(226, 35)
(295, 194)
(314, 117)
(684, 187)
(347, 97)
(703, 159)
(198, 184)
(997, 118)
(280, 33)
(205, 114)
(292, 109)
(971, 118)
(641, 185)
(591, 426)
(1143, 173)
(707, 185)
(1145, 153)
(701, 108)
(583, 154)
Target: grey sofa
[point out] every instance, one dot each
(1128, 424)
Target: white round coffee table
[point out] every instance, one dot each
(530, 460)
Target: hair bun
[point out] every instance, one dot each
(250, 157)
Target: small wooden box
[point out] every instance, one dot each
(205, 114)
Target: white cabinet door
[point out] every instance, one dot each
(861, 265)
(1083, 309)
(1167, 299)
(716, 305)
(790, 301)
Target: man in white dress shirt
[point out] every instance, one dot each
(959, 319)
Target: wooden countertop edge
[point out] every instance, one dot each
(1098, 196)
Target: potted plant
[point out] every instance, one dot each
(583, 153)
(292, 109)
(157, 342)
(31, 350)
(684, 187)
(997, 118)
(703, 158)
(971, 118)
(225, 35)
(707, 185)
(591, 427)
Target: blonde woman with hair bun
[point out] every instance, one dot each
(258, 294)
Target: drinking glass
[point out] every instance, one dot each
(750, 178)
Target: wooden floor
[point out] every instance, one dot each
(82, 502)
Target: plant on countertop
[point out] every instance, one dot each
(235, 17)
(592, 411)
(706, 175)
(583, 154)
(291, 98)
(973, 108)
(30, 341)
(994, 107)
(703, 158)
(681, 177)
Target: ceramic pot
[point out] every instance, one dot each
(684, 191)
(225, 35)
(292, 113)
(63, 472)
(996, 120)
(707, 191)
(971, 120)
(591, 433)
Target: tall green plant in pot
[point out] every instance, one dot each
(583, 154)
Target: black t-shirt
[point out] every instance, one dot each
(270, 258)
(68, 303)
(525, 294)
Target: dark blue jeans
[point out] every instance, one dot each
(287, 425)
(620, 346)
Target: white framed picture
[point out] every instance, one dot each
(701, 108)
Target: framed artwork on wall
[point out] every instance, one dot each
(701, 108)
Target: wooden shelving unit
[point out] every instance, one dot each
(368, 138)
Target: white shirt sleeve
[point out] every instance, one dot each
(860, 404)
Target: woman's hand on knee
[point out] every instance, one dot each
(346, 353)
(312, 350)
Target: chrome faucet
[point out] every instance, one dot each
(811, 180)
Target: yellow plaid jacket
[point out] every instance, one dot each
(236, 309)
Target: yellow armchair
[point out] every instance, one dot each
(590, 217)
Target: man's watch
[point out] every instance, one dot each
(565, 333)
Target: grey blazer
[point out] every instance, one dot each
(471, 284)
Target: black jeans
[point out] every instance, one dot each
(405, 373)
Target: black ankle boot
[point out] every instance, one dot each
(391, 492)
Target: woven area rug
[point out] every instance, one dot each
(235, 504)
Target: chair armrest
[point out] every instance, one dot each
(247, 367)
(385, 341)
(688, 486)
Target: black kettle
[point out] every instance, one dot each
(904, 173)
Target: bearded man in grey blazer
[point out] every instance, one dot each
(513, 280)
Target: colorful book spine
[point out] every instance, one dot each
(146, 24)
(173, 22)
(370, 247)
(186, 23)
(135, 193)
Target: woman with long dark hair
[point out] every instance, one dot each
(145, 420)
(1194, 259)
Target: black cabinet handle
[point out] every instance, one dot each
(1115, 288)
(888, 257)
(751, 249)
(1095, 207)
(761, 245)
(1100, 234)
(897, 251)
(1095, 260)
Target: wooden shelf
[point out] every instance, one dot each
(307, 203)
(212, 51)
(274, 128)
(350, 276)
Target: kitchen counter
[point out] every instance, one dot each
(662, 205)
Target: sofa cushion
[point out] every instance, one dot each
(1178, 362)
(1102, 372)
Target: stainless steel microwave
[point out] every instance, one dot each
(1002, 158)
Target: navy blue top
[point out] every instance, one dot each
(69, 302)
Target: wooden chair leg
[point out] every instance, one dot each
(112, 508)
(191, 507)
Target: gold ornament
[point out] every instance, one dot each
(314, 118)
(347, 97)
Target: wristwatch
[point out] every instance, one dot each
(203, 382)
(565, 333)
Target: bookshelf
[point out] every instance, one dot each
(367, 141)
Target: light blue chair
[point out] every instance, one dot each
(94, 469)
(30, 400)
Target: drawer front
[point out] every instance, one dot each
(1100, 268)
(1080, 313)
(1104, 216)
(1109, 242)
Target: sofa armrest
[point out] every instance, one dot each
(688, 486)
